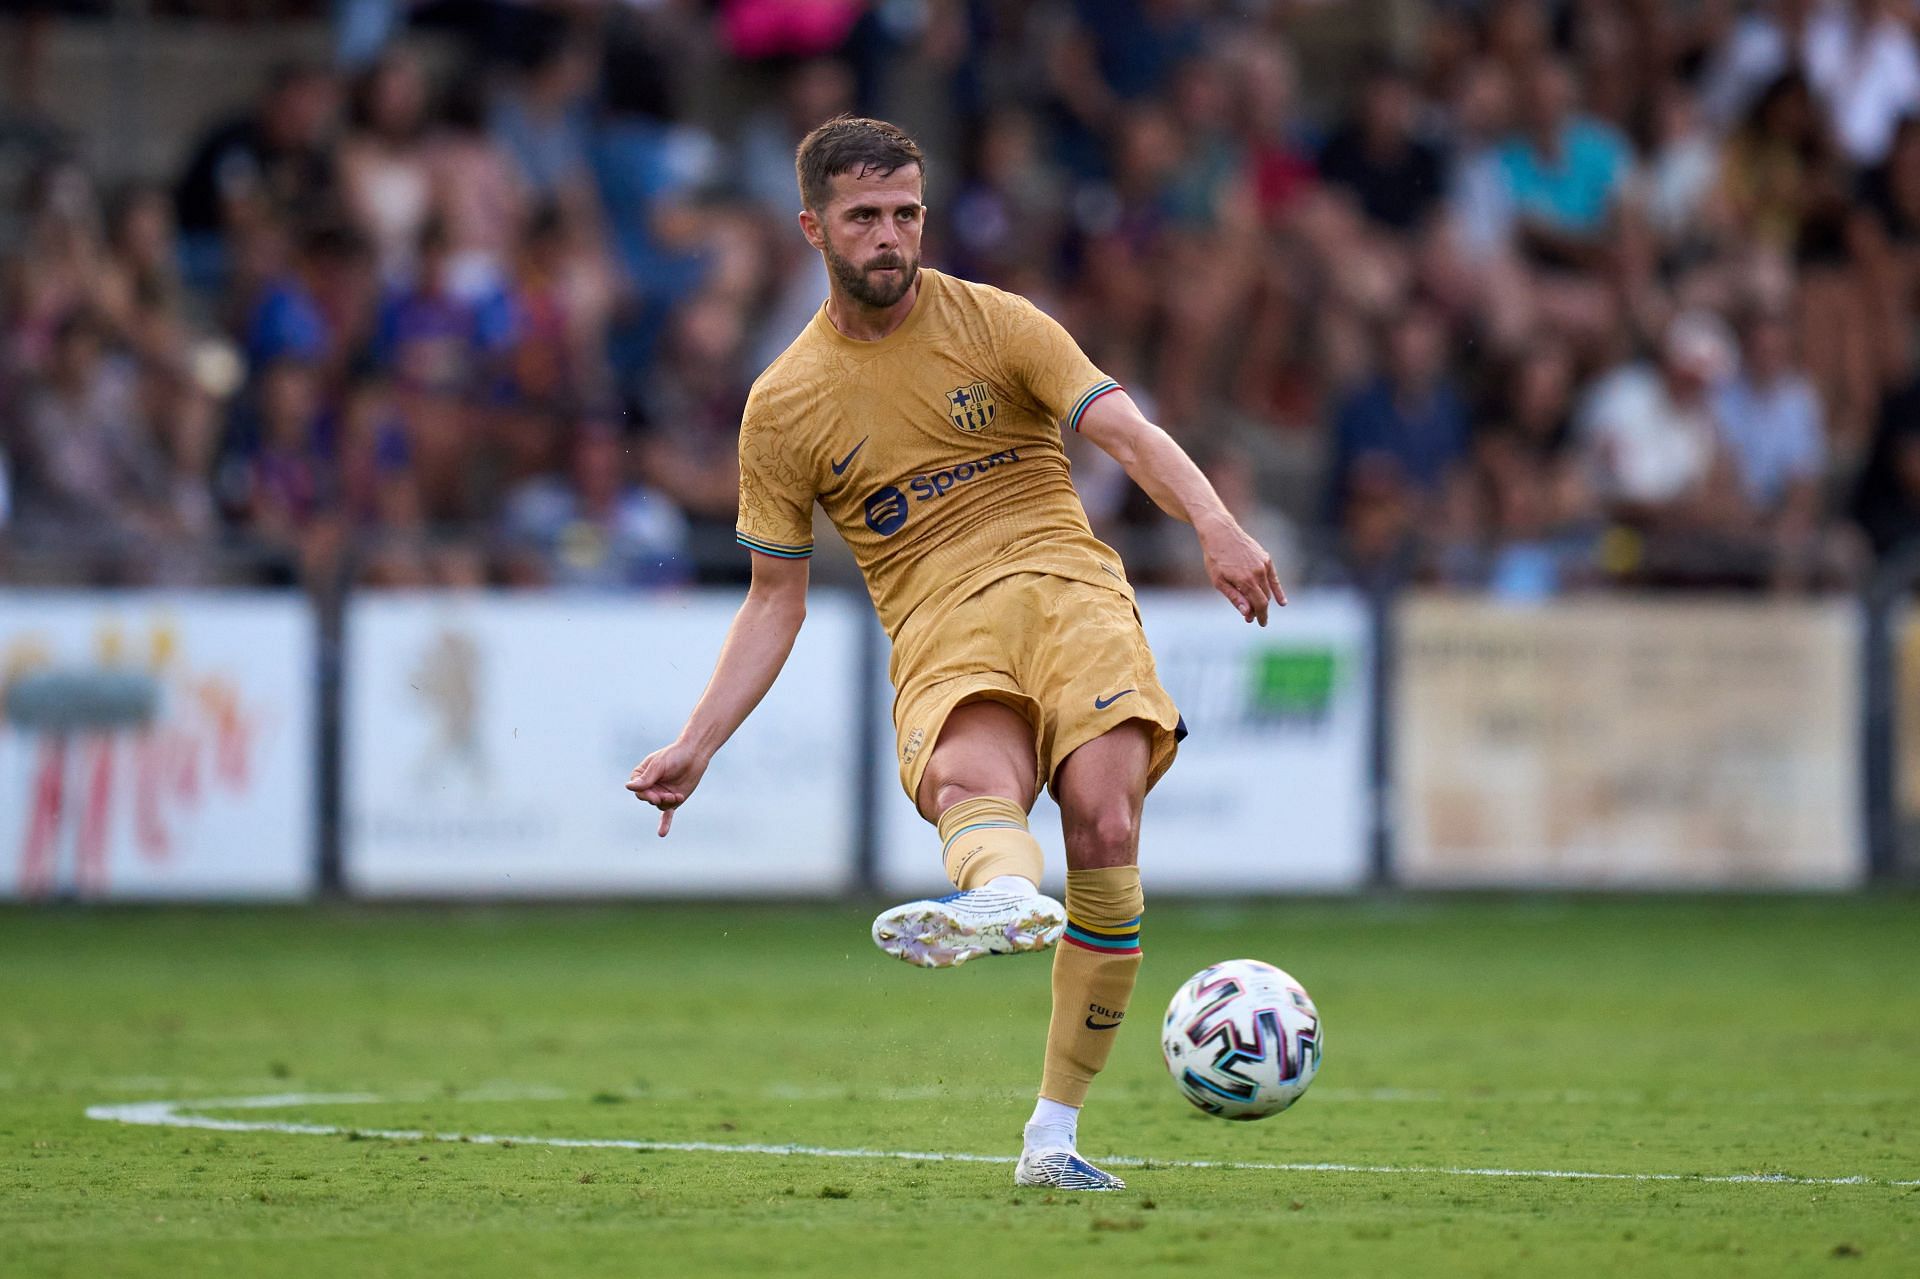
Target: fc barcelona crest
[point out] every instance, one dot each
(971, 407)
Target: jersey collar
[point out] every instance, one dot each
(929, 280)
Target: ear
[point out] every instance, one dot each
(811, 227)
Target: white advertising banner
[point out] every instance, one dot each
(1623, 743)
(156, 745)
(487, 739)
(1269, 793)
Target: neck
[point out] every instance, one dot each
(863, 323)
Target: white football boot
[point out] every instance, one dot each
(1063, 1169)
(940, 932)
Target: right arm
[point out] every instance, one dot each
(756, 648)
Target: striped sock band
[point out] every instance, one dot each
(986, 837)
(1121, 939)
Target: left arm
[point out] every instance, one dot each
(1237, 566)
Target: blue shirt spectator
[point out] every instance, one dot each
(1567, 172)
(1771, 419)
(1410, 417)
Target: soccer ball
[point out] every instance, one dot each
(1242, 1039)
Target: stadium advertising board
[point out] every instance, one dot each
(487, 738)
(1269, 793)
(156, 746)
(1623, 744)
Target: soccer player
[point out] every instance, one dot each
(924, 414)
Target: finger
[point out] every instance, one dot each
(1259, 597)
(1238, 601)
(1273, 578)
(666, 821)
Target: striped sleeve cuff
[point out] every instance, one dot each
(779, 550)
(1080, 407)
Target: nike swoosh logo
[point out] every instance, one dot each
(1100, 1025)
(1101, 703)
(847, 461)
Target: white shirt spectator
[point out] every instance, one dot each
(1642, 445)
(1867, 71)
(1754, 56)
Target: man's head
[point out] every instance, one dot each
(1696, 352)
(1416, 346)
(301, 101)
(862, 183)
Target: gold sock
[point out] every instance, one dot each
(984, 837)
(1094, 967)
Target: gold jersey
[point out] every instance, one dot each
(936, 451)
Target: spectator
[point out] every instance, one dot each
(1395, 177)
(692, 406)
(385, 176)
(1537, 509)
(1117, 56)
(1407, 427)
(450, 359)
(1765, 44)
(1773, 164)
(1006, 218)
(1649, 433)
(543, 121)
(812, 92)
(271, 164)
(602, 530)
(1566, 173)
(1279, 159)
(318, 312)
(1862, 60)
(561, 303)
(90, 472)
(1771, 424)
(432, 338)
(478, 193)
(287, 474)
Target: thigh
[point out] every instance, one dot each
(983, 747)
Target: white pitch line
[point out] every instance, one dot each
(174, 1114)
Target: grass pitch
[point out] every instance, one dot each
(1699, 1037)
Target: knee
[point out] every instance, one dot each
(948, 791)
(1103, 834)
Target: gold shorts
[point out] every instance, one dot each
(1069, 655)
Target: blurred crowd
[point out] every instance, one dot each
(1536, 297)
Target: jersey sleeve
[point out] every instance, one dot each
(776, 498)
(1049, 365)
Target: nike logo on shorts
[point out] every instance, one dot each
(845, 462)
(1101, 703)
(1100, 1025)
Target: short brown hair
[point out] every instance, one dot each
(850, 144)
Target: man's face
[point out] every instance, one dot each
(869, 232)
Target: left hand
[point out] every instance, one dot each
(1239, 569)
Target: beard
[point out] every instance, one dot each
(863, 287)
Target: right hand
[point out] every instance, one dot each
(666, 778)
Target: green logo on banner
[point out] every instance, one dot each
(1293, 683)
